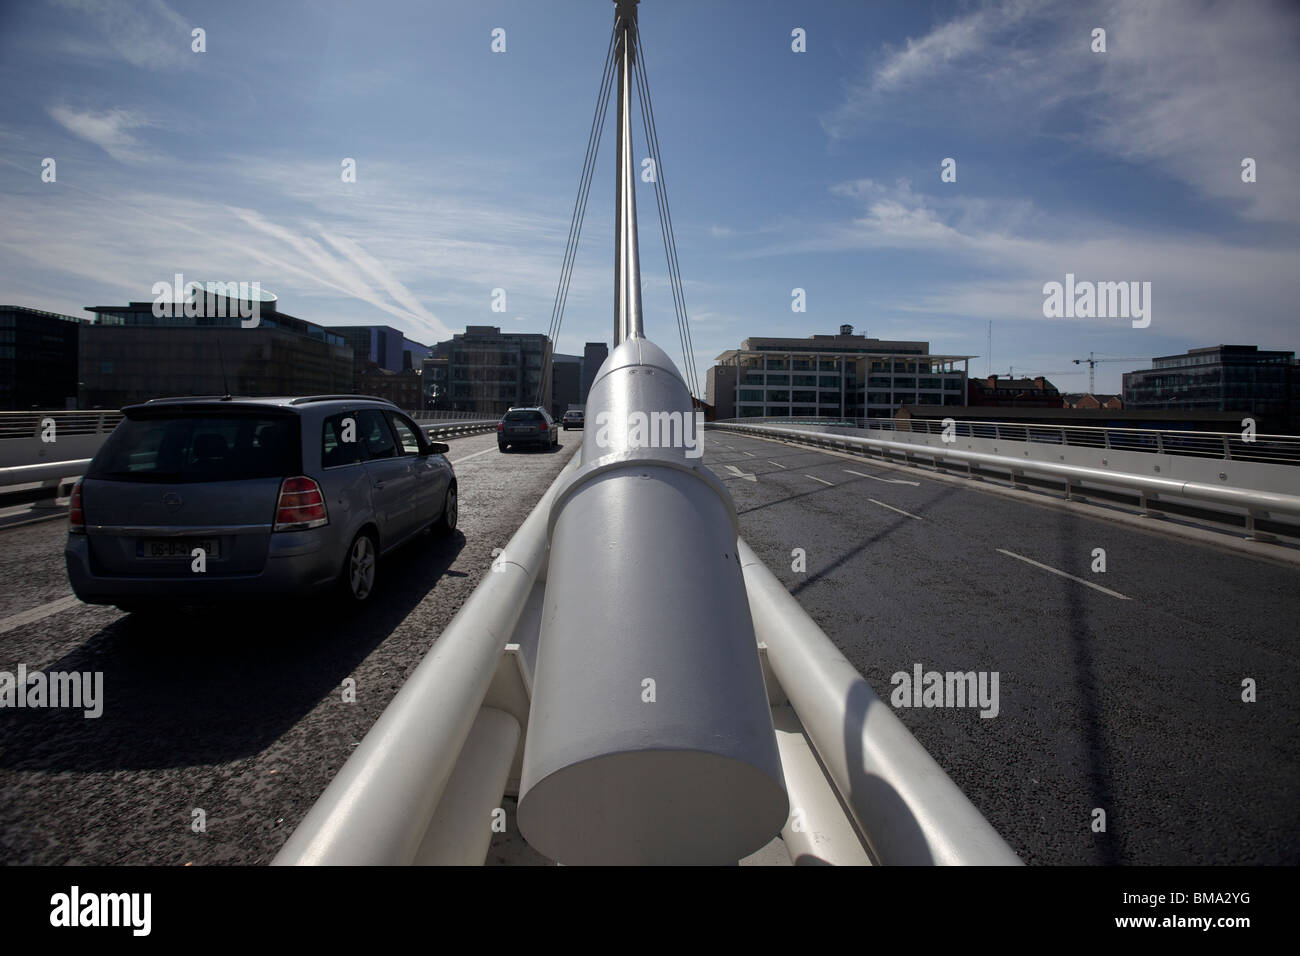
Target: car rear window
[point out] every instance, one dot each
(523, 415)
(189, 447)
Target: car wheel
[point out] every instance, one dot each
(360, 568)
(446, 522)
(502, 448)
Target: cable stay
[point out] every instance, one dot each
(627, 292)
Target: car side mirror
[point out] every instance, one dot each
(438, 448)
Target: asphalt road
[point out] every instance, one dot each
(1129, 702)
(237, 713)
(1126, 699)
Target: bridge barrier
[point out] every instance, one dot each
(1197, 479)
(439, 431)
(424, 783)
(378, 808)
(1223, 446)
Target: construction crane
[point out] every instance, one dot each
(1093, 362)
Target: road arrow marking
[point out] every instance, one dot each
(737, 473)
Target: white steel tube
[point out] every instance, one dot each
(460, 833)
(377, 809)
(909, 810)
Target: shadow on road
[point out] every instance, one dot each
(205, 686)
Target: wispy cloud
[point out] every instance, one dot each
(146, 33)
(1186, 89)
(109, 131)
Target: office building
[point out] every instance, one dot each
(566, 382)
(842, 375)
(1237, 378)
(383, 345)
(38, 359)
(488, 370)
(593, 356)
(130, 355)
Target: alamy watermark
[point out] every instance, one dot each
(1098, 300)
(651, 430)
(79, 690)
(208, 299)
(923, 688)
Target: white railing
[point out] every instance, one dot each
(66, 423)
(1255, 502)
(1275, 449)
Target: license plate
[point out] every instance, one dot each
(521, 431)
(171, 548)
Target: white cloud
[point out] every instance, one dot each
(1185, 88)
(108, 131)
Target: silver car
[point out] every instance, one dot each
(206, 499)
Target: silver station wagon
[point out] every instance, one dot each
(206, 499)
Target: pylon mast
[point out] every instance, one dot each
(627, 258)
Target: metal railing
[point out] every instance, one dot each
(1273, 449)
(1256, 503)
(440, 430)
(66, 423)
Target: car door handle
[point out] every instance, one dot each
(379, 484)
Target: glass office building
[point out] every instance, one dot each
(38, 359)
(1225, 378)
(131, 355)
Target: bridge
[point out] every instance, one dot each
(1126, 699)
(821, 641)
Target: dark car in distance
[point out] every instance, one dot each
(521, 427)
(192, 500)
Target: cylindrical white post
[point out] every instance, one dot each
(650, 737)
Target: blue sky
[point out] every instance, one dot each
(818, 170)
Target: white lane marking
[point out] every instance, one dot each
(1096, 587)
(475, 455)
(750, 454)
(892, 508)
(16, 621)
(777, 463)
(740, 474)
(822, 480)
(891, 481)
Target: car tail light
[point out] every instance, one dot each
(542, 426)
(301, 505)
(501, 426)
(76, 519)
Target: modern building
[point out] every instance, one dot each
(1237, 378)
(383, 345)
(488, 370)
(998, 392)
(566, 382)
(130, 355)
(593, 357)
(38, 359)
(842, 375)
